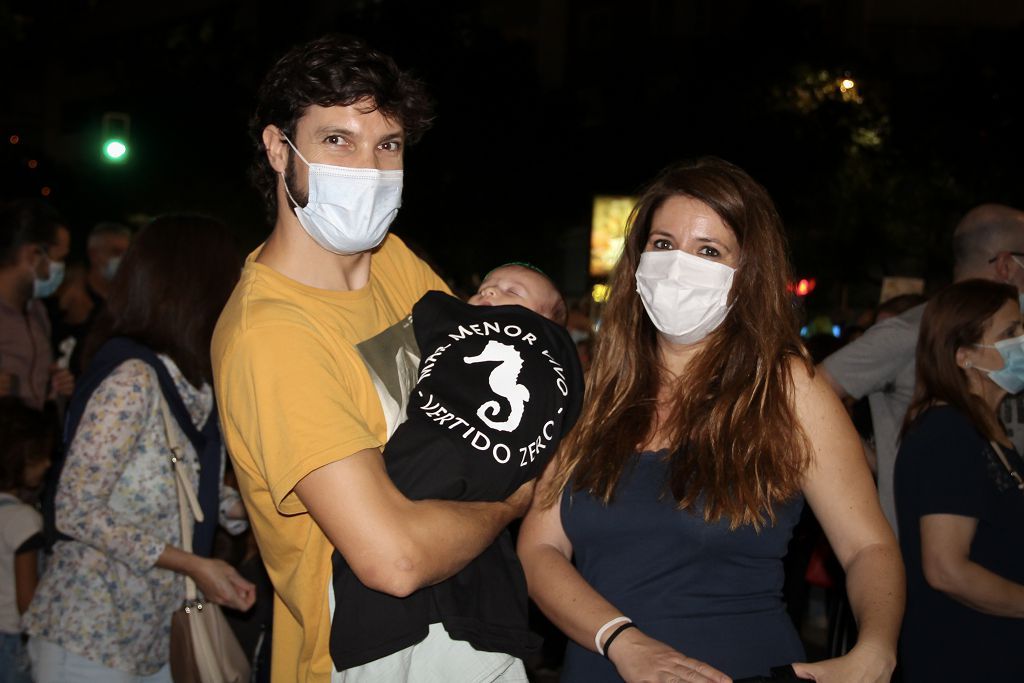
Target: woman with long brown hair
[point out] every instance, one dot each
(960, 491)
(702, 432)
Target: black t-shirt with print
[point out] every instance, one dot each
(497, 388)
(945, 466)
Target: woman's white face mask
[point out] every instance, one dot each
(685, 296)
(348, 210)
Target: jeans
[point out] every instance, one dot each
(53, 664)
(13, 659)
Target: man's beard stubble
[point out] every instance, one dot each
(301, 196)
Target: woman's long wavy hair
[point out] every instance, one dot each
(735, 444)
(956, 317)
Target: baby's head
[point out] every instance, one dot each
(523, 285)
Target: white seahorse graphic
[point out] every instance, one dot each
(504, 381)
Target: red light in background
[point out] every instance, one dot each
(45, 191)
(32, 163)
(803, 286)
(14, 139)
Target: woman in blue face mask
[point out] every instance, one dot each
(959, 492)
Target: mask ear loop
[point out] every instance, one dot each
(969, 364)
(295, 204)
(294, 148)
(285, 180)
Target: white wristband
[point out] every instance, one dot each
(601, 631)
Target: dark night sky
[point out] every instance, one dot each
(542, 105)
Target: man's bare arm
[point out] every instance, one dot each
(395, 545)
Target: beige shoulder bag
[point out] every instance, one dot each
(203, 646)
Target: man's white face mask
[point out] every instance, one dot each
(348, 210)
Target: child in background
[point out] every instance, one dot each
(27, 438)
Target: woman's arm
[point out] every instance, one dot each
(945, 558)
(217, 580)
(580, 611)
(26, 578)
(840, 491)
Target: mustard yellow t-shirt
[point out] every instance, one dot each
(294, 395)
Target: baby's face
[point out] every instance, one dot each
(516, 285)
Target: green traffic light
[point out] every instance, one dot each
(115, 150)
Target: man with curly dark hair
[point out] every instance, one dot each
(313, 360)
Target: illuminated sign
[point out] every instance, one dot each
(611, 214)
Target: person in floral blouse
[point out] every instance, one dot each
(103, 608)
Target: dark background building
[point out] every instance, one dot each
(542, 105)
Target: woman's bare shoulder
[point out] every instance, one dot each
(813, 397)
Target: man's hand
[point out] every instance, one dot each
(6, 384)
(521, 499)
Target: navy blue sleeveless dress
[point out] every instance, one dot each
(711, 593)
